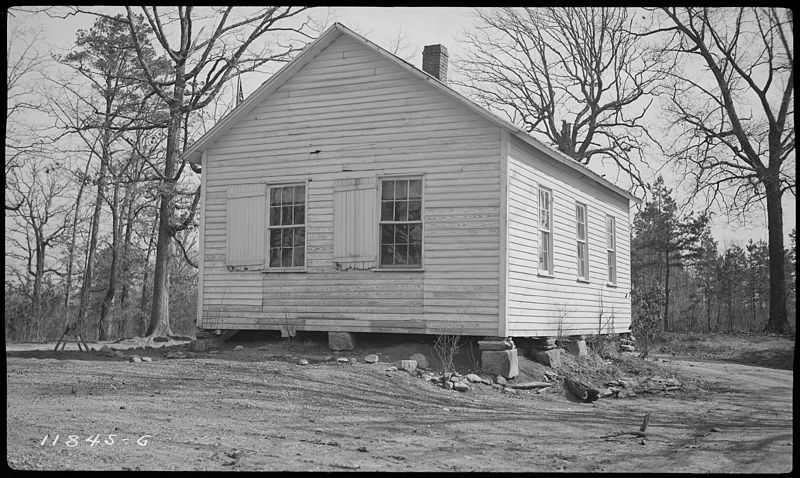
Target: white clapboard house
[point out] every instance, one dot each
(353, 192)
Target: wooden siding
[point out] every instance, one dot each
(351, 114)
(539, 305)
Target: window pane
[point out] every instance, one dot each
(414, 210)
(387, 210)
(300, 237)
(401, 189)
(387, 191)
(401, 234)
(299, 215)
(400, 211)
(415, 254)
(387, 254)
(286, 215)
(275, 196)
(401, 254)
(581, 231)
(286, 237)
(274, 216)
(387, 233)
(415, 189)
(275, 257)
(299, 195)
(286, 257)
(299, 257)
(415, 233)
(274, 238)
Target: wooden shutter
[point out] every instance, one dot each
(246, 231)
(355, 215)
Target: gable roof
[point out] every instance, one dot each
(192, 153)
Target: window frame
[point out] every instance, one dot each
(271, 227)
(380, 222)
(549, 231)
(582, 243)
(611, 250)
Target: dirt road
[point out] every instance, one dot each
(210, 414)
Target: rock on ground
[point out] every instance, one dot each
(422, 361)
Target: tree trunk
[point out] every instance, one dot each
(778, 321)
(666, 292)
(146, 277)
(71, 259)
(159, 316)
(104, 325)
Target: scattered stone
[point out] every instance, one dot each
(422, 361)
(497, 386)
(391, 369)
(341, 341)
(147, 359)
(372, 358)
(551, 358)
(461, 386)
(408, 365)
(577, 348)
(135, 359)
(529, 385)
(552, 376)
(455, 378)
(500, 380)
(213, 352)
(715, 429)
(353, 361)
(118, 353)
(473, 378)
(672, 382)
(238, 347)
(303, 362)
(446, 376)
(362, 448)
(628, 383)
(448, 385)
(509, 390)
(105, 348)
(627, 348)
(343, 360)
(500, 362)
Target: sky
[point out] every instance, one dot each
(417, 26)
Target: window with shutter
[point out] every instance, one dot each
(355, 237)
(246, 215)
(287, 226)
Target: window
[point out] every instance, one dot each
(545, 231)
(401, 223)
(611, 249)
(287, 231)
(581, 236)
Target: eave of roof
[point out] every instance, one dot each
(192, 153)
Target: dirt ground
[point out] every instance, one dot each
(257, 409)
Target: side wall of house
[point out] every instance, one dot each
(543, 305)
(351, 114)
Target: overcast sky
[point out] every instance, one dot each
(419, 26)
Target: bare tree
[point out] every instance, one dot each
(41, 221)
(23, 63)
(202, 60)
(578, 76)
(733, 105)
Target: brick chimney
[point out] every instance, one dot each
(434, 62)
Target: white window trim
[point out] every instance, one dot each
(403, 267)
(611, 247)
(551, 271)
(267, 267)
(584, 241)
